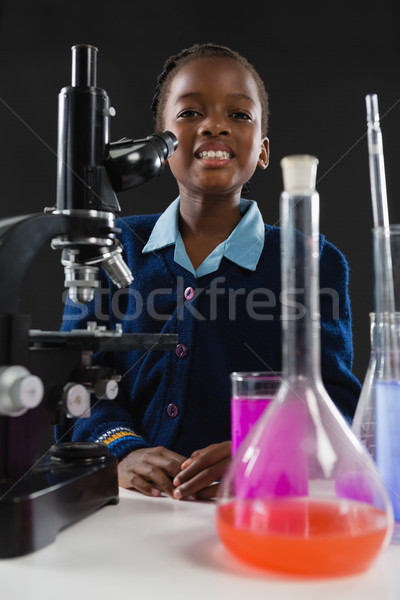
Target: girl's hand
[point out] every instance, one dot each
(150, 470)
(200, 473)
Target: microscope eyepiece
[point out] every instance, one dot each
(132, 162)
(84, 65)
(169, 139)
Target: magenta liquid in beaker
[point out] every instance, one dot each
(252, 393)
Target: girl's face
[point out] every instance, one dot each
(213, 108)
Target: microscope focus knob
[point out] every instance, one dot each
(106, 389)
(76, 400)
(19, 390)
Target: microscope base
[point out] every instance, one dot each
(52, 496)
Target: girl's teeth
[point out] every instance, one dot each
(217, 154)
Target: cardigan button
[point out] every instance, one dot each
(189, 293)
(181, 350)
(172, 410)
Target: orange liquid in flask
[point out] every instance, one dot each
(303, 536)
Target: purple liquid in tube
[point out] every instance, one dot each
(387, 414)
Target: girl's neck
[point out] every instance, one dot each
(211, 217)
(205, 223)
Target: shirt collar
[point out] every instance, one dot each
(236, 247)
(165, 231)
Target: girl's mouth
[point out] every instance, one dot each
(215, 155)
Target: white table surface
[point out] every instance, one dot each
(155, 548)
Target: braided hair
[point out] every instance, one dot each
(175, 62)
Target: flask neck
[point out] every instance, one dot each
(300, 286)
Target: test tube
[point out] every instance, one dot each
(376, 163)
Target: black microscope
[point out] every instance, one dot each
(46, 375)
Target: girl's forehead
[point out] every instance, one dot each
(211, 73)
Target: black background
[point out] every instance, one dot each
(318, 60)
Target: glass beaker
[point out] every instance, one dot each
(364, 422)
(387, 415)
(386, 246)
(302, 495)
(252, 393)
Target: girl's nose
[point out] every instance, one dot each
(214, 125)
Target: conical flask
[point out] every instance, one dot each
(302, 495)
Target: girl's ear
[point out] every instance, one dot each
(263, 159)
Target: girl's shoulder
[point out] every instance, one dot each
(137, 221)
(273, 232)
(136, 228)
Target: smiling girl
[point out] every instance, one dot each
(208, 269)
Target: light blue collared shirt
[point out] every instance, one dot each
(243, 246)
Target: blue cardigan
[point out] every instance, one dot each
(226, 321)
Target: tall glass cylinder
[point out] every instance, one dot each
(302, 495)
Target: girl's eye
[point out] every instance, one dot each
(188, 113)
(241, 115)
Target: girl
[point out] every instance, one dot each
(208, 269)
